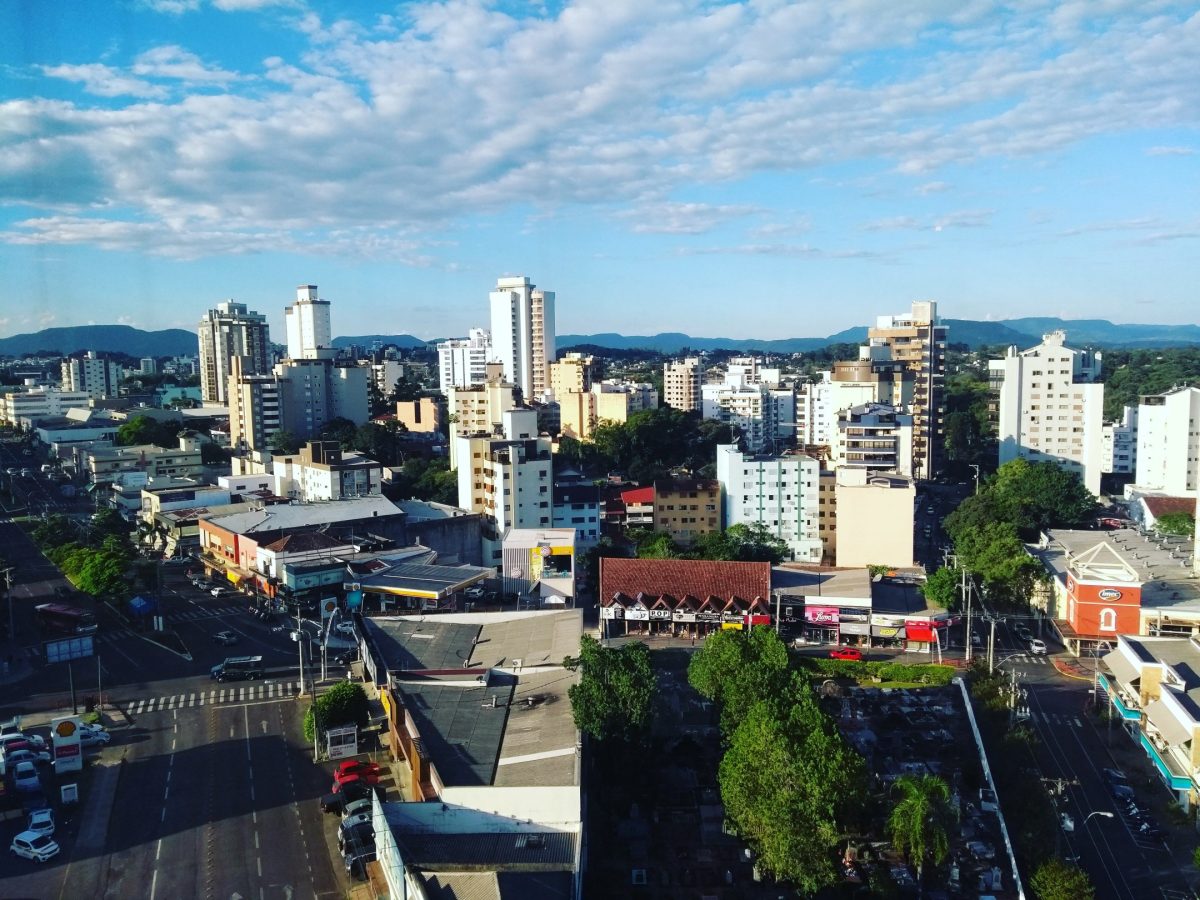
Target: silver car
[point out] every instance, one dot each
(35, 846)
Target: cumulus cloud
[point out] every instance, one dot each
(461, 108)
(972, 218)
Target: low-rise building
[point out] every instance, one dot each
(103, 463)
(874, 519)
(24, 406)
(539, 565)
(322, 470)
(577, 505)
(420, 416)
(687, 508)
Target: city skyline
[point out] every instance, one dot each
(716, 169)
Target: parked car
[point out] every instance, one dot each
(1114, 776)
(367, 771)
(475, 592)
(355, 807)
(348, 793)
(26, 778)
(218, 591)
(33, 741)
(20, 754)
(31, 845)
(1122, 792)
(1037, 647)
(344, 659)
(356, 863)
(845, 653)
(89, 738)
(41, 821)
(225, 637)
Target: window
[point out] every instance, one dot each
(1108, 619)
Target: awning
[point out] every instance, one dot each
(1172, 730)
(1122, 668)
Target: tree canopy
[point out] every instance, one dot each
(284, 442)
(1059, 880)
(1176, 523)
(737, 543)
(343, 704)
(922, 820)
(941, 589)
(736, 668)
(612, 698)
(1128, 374)
(649, 445)
(145, 430)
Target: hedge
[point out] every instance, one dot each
(884, 671)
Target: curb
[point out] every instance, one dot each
(1069, 674)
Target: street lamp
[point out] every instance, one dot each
(1097, 812)
(976, 468)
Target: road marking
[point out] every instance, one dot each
(153, 884)
(1078, 724)
(222, 695)
(158, 852)
(241, 694)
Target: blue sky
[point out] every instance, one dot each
(759, 169)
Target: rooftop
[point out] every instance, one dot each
(1164, 566)
(498, 885)
(417, 580)
(301, 515)
(528, 538)
(304, 542)
(853, 584)
(1161, 506)
(684, 578)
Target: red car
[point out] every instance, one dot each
(354, 770)
(845, 653)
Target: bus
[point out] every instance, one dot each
(65, 619)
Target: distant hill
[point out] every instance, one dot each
(1022, 332)
(403, 341)
(108, 338)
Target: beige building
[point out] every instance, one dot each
(918, 341)
(420, 416)
(322, 470)
(572, 374)
(105, 463)
(681, 384)
(480, 409)
(607, 401)
(687, 508)
(827, 515)
(874, 519)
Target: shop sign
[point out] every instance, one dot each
(660, 614)
(683, 615)
(637, 614)
(821, 615)
(885, 631)
(732, 616)
(758, 620)
(612, 612)
(854, 615)
(1110, 594)
(921, 631)
(708, 616)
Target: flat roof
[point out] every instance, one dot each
(461, 727)
(1167, 581)
(851, 584)
(524, 538)
(498, 885)
(299, 515)
(538, 747)
(416, 580)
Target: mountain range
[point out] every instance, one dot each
(1023, 332)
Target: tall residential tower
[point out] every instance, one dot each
(225, 332)
(523, 333)
(307, 322)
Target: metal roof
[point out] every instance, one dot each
(415, 580)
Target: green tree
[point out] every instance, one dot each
(1176, 523)
(343, 704)
(612, 698)
(922, 820)
(380, 441)
(941, 589)
(284, 443)
(653, 544)
(736, 669)
(787, 780)
(406, 390)
(1039, 495)
(741, 543)
(145, 430)
(212, 454)
(1059, 880)
(340, 429)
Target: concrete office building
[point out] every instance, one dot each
(308, 330)
(462, 363)
(1168, 430)
(918, 341)
(255, 408)
(780, 493)
(681, 384)
(522, 318)
(99, 378)
(231, 330)
(1051, 407)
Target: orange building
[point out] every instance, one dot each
(1104, 594)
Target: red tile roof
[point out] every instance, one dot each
(638, 495)
(1161, 506)
(680, 578)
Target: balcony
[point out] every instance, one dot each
(1176, 781)
(1127, 709)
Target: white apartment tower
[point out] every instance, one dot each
(780, 493)
(1168, 426)
(307, 320)
(1051, 407)
(228, 331)
(523, 333)
(96, 376)
(1119, 444)
(681, 384)
(462, 363)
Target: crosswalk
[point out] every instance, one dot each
(250, 693)
(209, 612)
(1029, 659)
(1062, 720)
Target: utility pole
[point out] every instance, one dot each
(992, 647)
(966, 589)
(300, 645)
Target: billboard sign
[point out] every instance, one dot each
(67, 753)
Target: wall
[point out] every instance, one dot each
(1091, 605)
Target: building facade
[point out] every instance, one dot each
(462, 363)
(1168, 434)
(874, 438)
(687, 508)
(231, 330)
(1118, 448)
(1051, 407)
(308, 328)
(322, 470)
(522, 317)
(874, 521)
(95, 376)
(508, 483)
(917, 341)
(780, 493)
(681, 383)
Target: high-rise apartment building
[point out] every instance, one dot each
(780, 493)
(463, 363)
(93, 374)
(523, 333)
(572, 374)
(918, 341)
(479, 410)
(255, 407)
(1119, 444)
(308, 329)
(1168, 428)
(874, 437)
(1051, 407)
(681, 384)
(229, 331)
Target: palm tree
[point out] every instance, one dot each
(922, 818)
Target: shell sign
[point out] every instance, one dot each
(1098, 609)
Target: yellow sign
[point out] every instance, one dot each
(65, 728)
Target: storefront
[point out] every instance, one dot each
(821, 624)
(854, 626)
(887, 631)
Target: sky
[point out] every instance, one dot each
(758, 169)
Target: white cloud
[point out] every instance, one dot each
(971, 218)
(105, 81)
(175, 62)
(1171, 151)
(171, 7)
(459, 108)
